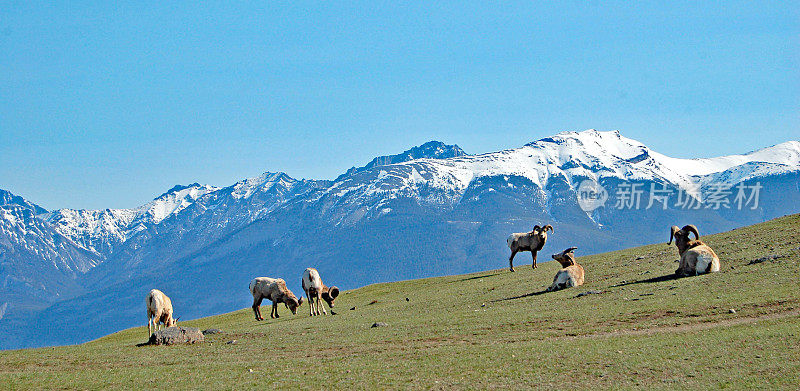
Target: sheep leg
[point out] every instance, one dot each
(511, 260)
(310, 303)
(319, 304)
(533, 254)
(149, 329)
(257, 308)
(274, 313)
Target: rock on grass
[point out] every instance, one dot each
(176, 335)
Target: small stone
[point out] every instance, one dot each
(232, 342)
(407, 299)
(211, 331)
(250, 370)
(731, 311)
(483, 305)
(379, 324)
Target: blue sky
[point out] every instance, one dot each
(107, 106)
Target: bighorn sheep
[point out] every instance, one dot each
(276, 291)
(696, 256)
(570, 275)
(316, 291)
(527, 241)
(159, 310)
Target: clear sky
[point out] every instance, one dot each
(108, 106)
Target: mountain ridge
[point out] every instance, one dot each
(410, 209)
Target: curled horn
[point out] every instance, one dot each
(569, 250)
(550, 227)
(672, 232)
(691, 228)
(536, 228)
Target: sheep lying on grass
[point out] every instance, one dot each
(571, 274)
(276, 291)
(159, 310)
(317, 291)
(696, 256)
(527, 241)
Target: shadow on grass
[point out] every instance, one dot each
(477, 277)
(522, 296)
(666, 277)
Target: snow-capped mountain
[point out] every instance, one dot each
(430, 210)
(100, 231)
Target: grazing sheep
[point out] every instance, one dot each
(696, 256)
(571, 275)
(159, 310)
(316, 291)
(276, 291)
(527, 241)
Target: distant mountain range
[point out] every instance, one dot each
(72, 275)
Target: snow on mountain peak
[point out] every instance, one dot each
(247, 187)
(174, 200)
(429, 150)
(6, 197)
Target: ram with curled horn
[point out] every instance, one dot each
(696, 256)
(532, 241)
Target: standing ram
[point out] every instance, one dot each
(527, 241)
(317, 291)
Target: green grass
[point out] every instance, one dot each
(489, 330)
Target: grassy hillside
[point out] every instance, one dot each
(492, 329)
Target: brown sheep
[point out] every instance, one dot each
(276, 291)
(696, 256)
(527, 241)
(571, 274)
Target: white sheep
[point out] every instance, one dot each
(527, 241)
(159, 310)
(316, 291)
(276, 291)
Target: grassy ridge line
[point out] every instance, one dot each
(491, 329)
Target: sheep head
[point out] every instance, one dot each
(169, 321)
(566, 257)
(330, 295)
(292, 303)
(681, 235)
